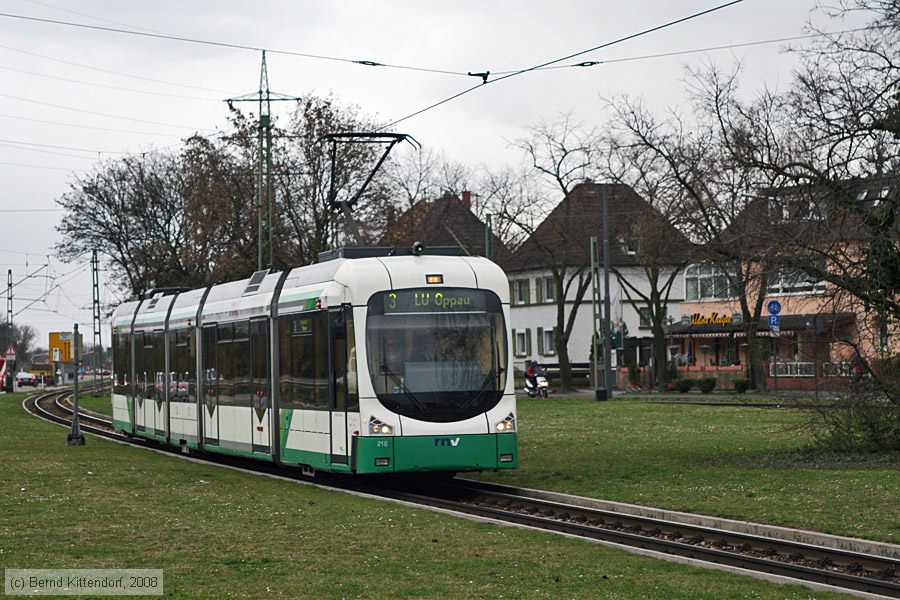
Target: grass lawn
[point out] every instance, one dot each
(738, 462)
(218, 533)
(100, 404)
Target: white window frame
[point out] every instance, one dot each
(642, 323)
(714, 276)
(521, 345)
(787, 282)
(549, 289)
(521, 291)
(549, 341)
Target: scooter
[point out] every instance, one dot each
(539, 389)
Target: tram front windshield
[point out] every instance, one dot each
(437, 355)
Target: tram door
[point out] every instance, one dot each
(160, 408)
(338, 405)
(260, 397)
(210, 390)
(344, 396)
(139, 382)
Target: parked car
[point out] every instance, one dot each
(25, 378)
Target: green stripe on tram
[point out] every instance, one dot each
(473, 452)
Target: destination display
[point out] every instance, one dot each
(431, 301)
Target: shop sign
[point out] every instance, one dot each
(712, 319)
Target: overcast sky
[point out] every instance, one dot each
(80, 95)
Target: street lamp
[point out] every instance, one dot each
(75, 438)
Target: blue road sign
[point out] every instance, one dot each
(774, 307)
(774, 321)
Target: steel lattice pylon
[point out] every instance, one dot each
(98, 338)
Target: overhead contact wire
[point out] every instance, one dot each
(620, 40)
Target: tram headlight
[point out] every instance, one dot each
(379, 427)
(507, 424)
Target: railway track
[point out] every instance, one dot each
(841, 568)
(52, 406)
(875, 572)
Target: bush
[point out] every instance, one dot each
(741, 385)
(684, 385)
(634, 374)
(865, 420)
(673, 373)
(706, 384)
(866, 417)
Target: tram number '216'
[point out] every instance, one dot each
(382, 443)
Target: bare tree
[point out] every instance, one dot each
(304, 180)
(562, 151)
(422, 173)
(661, 251)
(513, 199)
(22, 337)
(132, 211)
(705, 191)
(189, 218)
(554, 247)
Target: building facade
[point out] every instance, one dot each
(551, 271)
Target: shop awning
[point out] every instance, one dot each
(816, 323)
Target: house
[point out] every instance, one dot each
(555, 263)
(446, 221)
(793, 241)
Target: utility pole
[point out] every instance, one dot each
(9, 312)
(264, 187)
(600, 392)
(9, 384)
(265, 192)
(488, 238)
(75, 438)
(607, 329)
(98, 337)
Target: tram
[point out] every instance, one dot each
(371, 361)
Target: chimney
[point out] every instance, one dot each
(467, 199)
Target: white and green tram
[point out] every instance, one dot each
(366, 362)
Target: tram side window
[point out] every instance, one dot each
(225, 335)
(352, 376)
(122, 363)
(240, 361)
(259, 355)
(182, 353)
(210, 377)
(304, 361)
(138, 365)
(158, 369)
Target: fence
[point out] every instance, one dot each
(792, 369)
(808, 369)
(837, 369)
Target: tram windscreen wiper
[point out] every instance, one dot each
(402, 387)
(491, 376)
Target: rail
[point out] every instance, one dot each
(812, 563)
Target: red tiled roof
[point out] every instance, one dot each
(638, 232)
(446, 221)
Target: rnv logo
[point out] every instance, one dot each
(446, 442)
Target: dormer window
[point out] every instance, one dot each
(629, 248)
(778, 209)
(815, 211)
